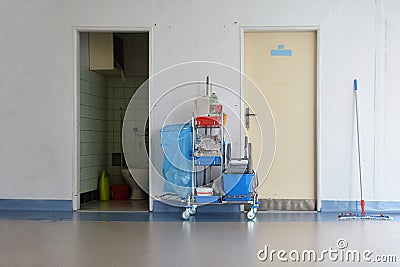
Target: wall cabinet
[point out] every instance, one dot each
(106, 53)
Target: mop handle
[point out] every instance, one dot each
(358, 150)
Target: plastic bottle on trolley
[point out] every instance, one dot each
(215, 105)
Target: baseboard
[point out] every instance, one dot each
(354, 206)
(159, 206)
(35, 205)
(326, 206)
(288, 204)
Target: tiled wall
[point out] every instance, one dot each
(119, 93)
(101, 100)
(93, 128)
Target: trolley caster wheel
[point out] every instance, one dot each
(192, 211)
(185, 215)
(251, 215)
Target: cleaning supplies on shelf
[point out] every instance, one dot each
(202, 106)
(215, 106)
(205, 195)
(204, 191)
(209, 145)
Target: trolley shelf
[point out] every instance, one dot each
(208, 121)
(207, 199)
(207, 160)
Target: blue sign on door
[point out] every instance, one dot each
(281, 51)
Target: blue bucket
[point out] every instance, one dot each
(237, 184)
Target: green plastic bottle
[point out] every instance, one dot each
(104, 186)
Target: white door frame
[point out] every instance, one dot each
(76, 99)
(317, 29)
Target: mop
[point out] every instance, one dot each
(362, 216)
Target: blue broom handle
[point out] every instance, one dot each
(355, 85)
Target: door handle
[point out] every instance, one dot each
(247, 118)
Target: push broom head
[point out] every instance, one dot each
(353, 216)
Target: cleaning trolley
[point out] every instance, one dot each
(198, 165)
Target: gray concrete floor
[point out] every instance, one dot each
(82, 243)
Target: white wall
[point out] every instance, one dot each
(36, 82)
(389, 178)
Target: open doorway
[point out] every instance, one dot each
(112, 66)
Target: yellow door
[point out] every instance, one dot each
(283, 66)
